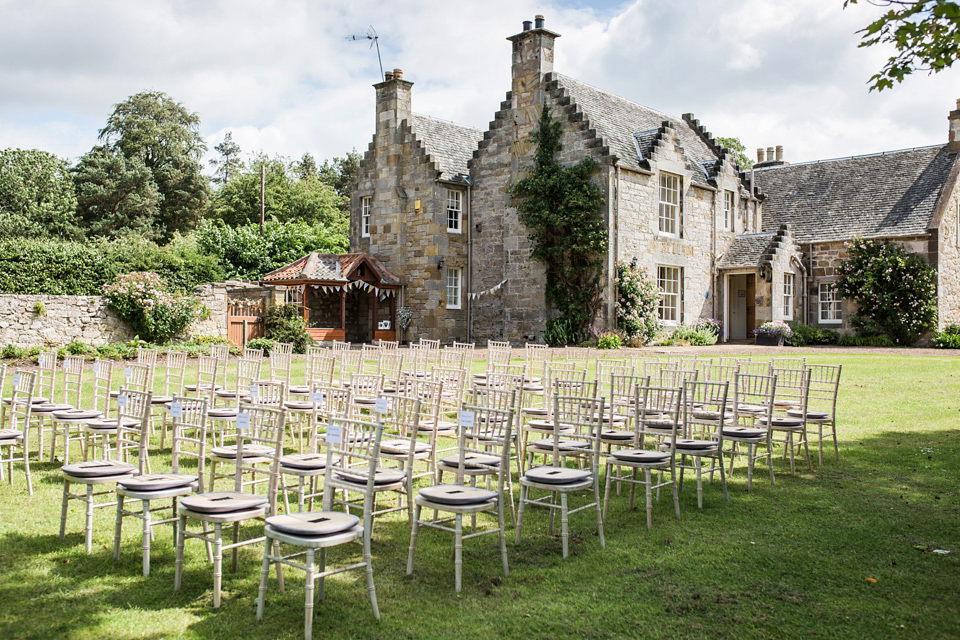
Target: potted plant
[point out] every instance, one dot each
(772, 334)
(404, 316)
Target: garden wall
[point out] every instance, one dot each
(87, 318)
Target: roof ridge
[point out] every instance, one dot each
(666, 116)
(456, 124)
(842, 158)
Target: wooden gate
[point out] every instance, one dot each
(244, 320)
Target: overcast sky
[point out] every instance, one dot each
(282, 77)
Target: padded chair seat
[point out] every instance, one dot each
(696, 445)
(365, 400)
(98, 468)
(658, 425)
(783, 422)
(223, 412)
(306, 461)
(298, 405)
(222, 502)
(35, 400)
(314, 524)
(157, 481)
(204, 387)
(535, 411)
(811, 415)
(50, 407)
(231, 393)
(563, 444)
(533, 388)
(249, 451)
(471, 461)
(641, 456)
(77, 414)
(299, 390)
(382, 476)
(403, 447)
(454, 494)
(441, 425)
(706, 414)
(10, 434)
(161, 399)
(110, 423)
(615, 434)
(548, 424)
(556, 475)
(743, 432)
(752, 408)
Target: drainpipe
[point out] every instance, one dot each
(469, 286)
(616, 237)
(713, 254)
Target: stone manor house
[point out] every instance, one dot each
(431, 206)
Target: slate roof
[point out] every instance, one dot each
(746, 250)
(325, 267)
(451, 145)
(881, 195)
(617, 120)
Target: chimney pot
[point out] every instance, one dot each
(538, 21)
(398, 74)
(779, 153)
(770, 154)
(527, 25)
(760, 155)
(388, 76)
(958, 104)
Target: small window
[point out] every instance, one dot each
(453, 288)
(829, 304)
(454, 210)
(668, 281)
(956, 239)
(365, 211)
(729, 211)
(670, 186)
(788, 296)
(294, 296)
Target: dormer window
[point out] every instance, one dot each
(670, 205)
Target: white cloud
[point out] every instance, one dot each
(282, 77)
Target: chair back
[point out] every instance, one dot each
(676, 377)
(280, 364)
(498, 352)
(266, 394)
(430, 394)
(18, 412)
(149, 357)
(485, 431)
(252, 354)
(263, 429)
(320, 366)
(174, 372)
(586, 416)
(657, 415)
(207, 369)
(133, 426)
(189, 419)
(330, 402)
(47, 378)
(705, 410)
(754, 368)
(709, 372)
(754, 399)
(788, 363)
(403, 419)
(793, 387)
(72, 380)
(824, 387)
(353, 446)
(102, 381)
(348, 364)
(136, 377)
(282, 347)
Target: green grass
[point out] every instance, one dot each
(787, 561)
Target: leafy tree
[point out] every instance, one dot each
(229, 162)
(150, 127)
(895, 290)
(340, 173)
(925, 33)
(116, 195)
(37, 198)
(736, 148)
(562, 208)
(306, 167)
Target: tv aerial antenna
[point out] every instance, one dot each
(374, 40)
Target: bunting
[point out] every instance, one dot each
(494, 289)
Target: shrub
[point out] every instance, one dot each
(949, 338)
(284, 323)
(116, 351)
(560, 332)
(777, 327)
(142, 301)
(709, 323)
(702, 336)
(13, 351)
(609, 340)
(860, 340)
(637, 300)
(39, 309)
(77, 348)
(895, 290)
(804, 334)
(202, 338)
(261, 343)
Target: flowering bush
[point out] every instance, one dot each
(609, 340)
(697, 336)
(895, 290)
(708, 324)
(775, 328)
(141, 300)
(637, 300)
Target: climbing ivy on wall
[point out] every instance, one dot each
(562, 208)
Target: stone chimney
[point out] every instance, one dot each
(954, 139)
(532, 58)
(779, 153)
(393, 105)
(774, 157)
(760, 155)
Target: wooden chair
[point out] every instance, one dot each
(208, 368)
(262, 394)
(174, 371)
(136, 378)
(72, 390)
(351, 446)
(67, 421)
(624, 464)
(793, 387)
(484, 450)
(821, 404)
(15, 429)
(586, 417)
(753, 405)
(133, 409)
(260, 430)
(705, 413)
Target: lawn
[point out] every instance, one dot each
(844, 551)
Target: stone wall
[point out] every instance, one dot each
(946, 242)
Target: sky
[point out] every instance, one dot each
(282, 77)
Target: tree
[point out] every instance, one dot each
(150, 127)
(736, 148)
(925, 33)
(307, 167)
(340, 174)
(229, 162)
(36, 196)
(116, 195)
(562, 208)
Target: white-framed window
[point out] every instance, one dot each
(829, 303)
(454, 210)
(729, 212)
(670, 188)
(668, 281)
(788, 282)
(366, 209)
(957, 235)
(454, 278)
(294, 296)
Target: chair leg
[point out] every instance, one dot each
(63, 508)
(147, 535)
(264, 577)
(523, 499)
(723, 478)
(699, 467)
(371, 589)
(308, 606)
(606, 491)
(458, 552)
(564, 524)
(118, 528)
(676, 490)
(88, 526)
(596, 503)
(181, 537)
(648, 482)
(414, 527)
(750, 450)
(217, 563)
(503, 536)
(806, 447)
